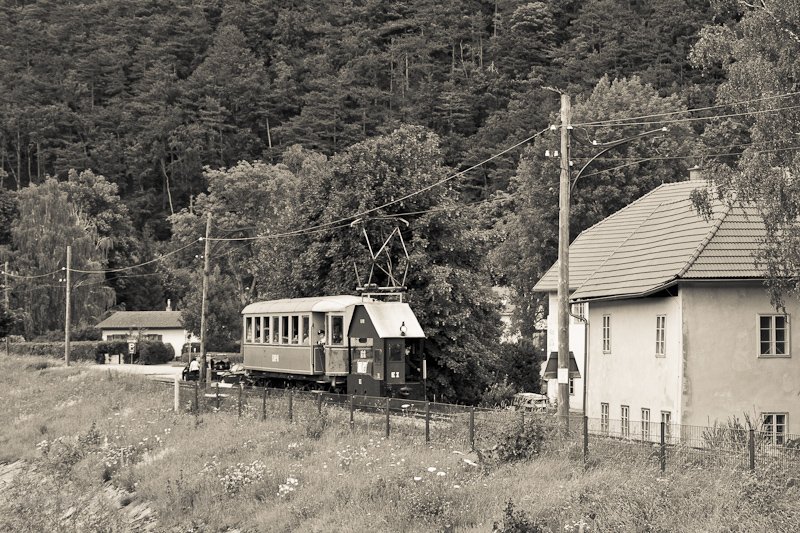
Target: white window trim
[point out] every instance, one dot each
(604, 417)
(773, 435)
(625, 421)
(645, 424)
(788, 340)
(661, 343)
(606, 339)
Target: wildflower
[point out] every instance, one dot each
(417, 478)
(440, 473)
(431, 469)
(456, 486)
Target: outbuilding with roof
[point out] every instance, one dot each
(164, 326)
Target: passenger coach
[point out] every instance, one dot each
(351, 344)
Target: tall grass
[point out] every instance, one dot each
(82, 434)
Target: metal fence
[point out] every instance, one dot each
(593, 440)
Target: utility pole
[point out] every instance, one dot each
(7, 300)
(563, 264)
(204, 304)
(68, 313)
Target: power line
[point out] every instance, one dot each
(122, 269)
(689, 119)
(392, 202)
(693, 110)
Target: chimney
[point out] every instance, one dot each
(169, 304)
(696, 173)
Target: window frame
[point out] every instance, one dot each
(773, 342)
(331, 317)
(645, 423)
(248, 329)
(625, 421)
(661, 335)
(604, 417)
(666, 418)
(606, 334)
(276, 329)
(772, 435)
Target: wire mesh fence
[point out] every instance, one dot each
(665, 446)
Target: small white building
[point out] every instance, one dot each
(163, 326)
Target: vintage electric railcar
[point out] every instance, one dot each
(348, 344)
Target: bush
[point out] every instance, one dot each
(499, 394)
(517, 521)
(79, 350)
(515, 440)
(154, 353)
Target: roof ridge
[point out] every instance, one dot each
(622, 243)
(707, 239)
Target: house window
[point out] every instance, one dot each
(152, 337)
(572, 386)
(624, 416)
(117, 337)
(661, 324)
(666, 419)
(773, 335)
(606, 333)
(578, 310)
(604, 418)
(773, 427)
(645, 424)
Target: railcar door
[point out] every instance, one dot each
(395, 361)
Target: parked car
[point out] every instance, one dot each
(530, 401)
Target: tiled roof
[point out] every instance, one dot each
(142, 319)
(657, 240)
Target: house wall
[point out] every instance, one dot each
(175, 337)
(631, 374)
(724, 376)
(576, 346)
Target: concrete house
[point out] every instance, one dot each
(164, 326)
(681, 328)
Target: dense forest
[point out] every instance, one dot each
(125, 122)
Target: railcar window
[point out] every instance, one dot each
(295, 330)
(276, 334)
(395, 353)
(265, 320)
(305, 329)
(257, 329)
(248, 329)
(284, 330)
(337, 329)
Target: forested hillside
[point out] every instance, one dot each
(124, 122)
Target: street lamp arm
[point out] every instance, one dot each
(609, 146)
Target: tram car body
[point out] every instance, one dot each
(348, 344)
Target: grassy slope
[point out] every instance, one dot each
(213, 472)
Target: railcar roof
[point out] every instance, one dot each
(387, 317)
(315, 304)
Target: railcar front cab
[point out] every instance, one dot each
(386, 357)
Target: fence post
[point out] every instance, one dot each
(216, 394)
(585, 440)
(177, 394)
(196, 397)
(241, 391)
(352, 412)
(663, 450)
(319, 403)
(472, 428)
(291, 395)
(387, 417)
(427, 421)
(264, 404)
(751, 446)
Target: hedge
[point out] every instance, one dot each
(150, 352)
(79, 350)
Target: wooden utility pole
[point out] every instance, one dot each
(563, 265)
(68, 311)
(7, 300)
(204, 304)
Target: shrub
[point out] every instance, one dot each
(517, 521)
(155, 353)
(499, 394)
(79, 350)
(515, 440)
